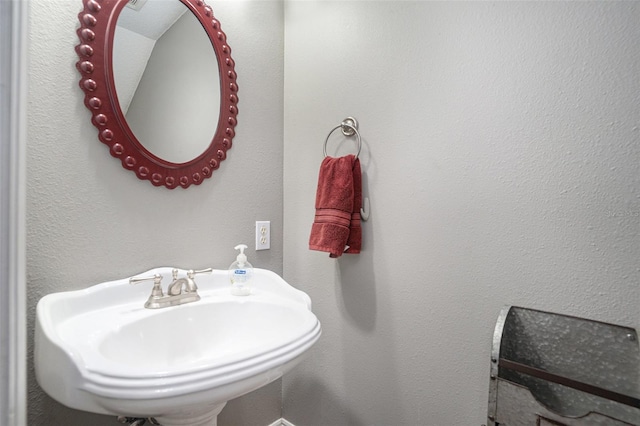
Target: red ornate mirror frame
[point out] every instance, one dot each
(96, 33)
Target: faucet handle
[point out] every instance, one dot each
(191, 273)
(191, 283)
(157, 279)
(136, 280)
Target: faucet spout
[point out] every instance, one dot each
(175, 288)
(182, 285)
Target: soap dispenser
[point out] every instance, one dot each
(241, 273)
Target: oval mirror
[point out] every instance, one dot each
(161, 86)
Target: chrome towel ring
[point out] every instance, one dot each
(349, 127)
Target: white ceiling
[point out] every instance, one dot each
(154, 18)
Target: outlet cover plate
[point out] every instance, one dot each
(263, 235)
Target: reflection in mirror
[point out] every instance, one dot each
(167, 79)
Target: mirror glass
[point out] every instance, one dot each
(167, 79)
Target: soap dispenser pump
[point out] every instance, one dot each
(241, 273)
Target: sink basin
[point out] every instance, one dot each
(100, 350)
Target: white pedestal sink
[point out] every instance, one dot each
(100, 350)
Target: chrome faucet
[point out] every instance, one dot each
(180, 291)
(187, 285)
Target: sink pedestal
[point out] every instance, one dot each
(201, 416)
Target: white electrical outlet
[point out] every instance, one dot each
(263, 235)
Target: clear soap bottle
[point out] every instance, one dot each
(241, 273)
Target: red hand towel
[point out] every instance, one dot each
(338, 200)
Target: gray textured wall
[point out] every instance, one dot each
(502, 160)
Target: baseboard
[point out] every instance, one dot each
(282, 422)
